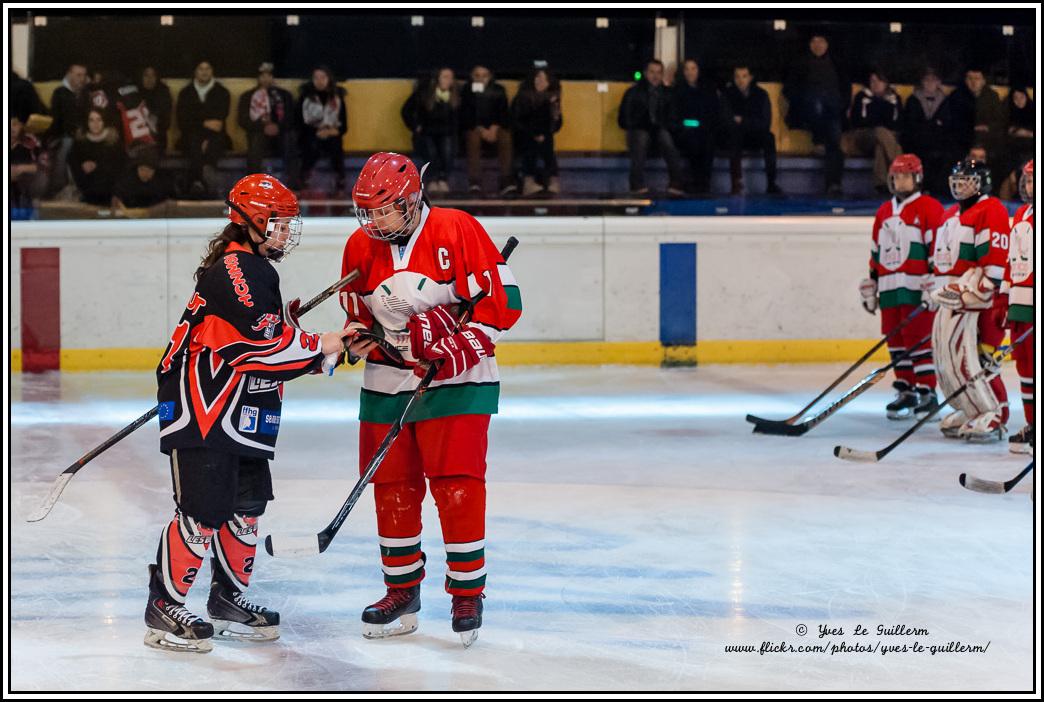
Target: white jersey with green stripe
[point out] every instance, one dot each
(899, 251)
(447, 260)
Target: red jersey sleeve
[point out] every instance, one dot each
(479, 266)
(991, 241)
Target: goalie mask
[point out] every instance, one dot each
(970, 179)
(268, 207)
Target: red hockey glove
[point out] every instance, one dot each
(428, 327)
(458, 352)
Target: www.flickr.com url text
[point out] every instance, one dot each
(883, 647)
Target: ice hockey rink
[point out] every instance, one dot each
(636, 529)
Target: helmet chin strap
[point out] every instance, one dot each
(274, 255)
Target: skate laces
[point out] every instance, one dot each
(181, 615)
(246, 604)
(464, 606)
(395, 597)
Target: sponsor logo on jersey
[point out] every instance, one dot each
(269, 423)
(166, 411)
(238, 280)
(267, 323)
(256, 385)
(248, 420)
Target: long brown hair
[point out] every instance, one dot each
(216, 246)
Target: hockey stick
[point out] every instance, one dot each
(784, 429)
(991, 368)
(993, 486)
(63, 479)
(790, 420)
(314, 544)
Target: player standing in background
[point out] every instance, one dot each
(970, 257)
(1018, 286)
(220, 394)
(899, 281)
(417, 265)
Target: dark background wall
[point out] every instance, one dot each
(377, 45)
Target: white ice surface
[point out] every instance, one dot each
(635, 528)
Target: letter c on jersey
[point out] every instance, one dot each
(444, 261)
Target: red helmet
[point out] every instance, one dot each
(270, 208)
(1025, 180)
(906, 163)
(389, 183)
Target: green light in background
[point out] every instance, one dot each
(691, 123)
(637, 75)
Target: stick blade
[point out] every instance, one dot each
(978, 485)
(292, 546)
(848, 454)
(774, 428)
(52, 498)
(754, 419)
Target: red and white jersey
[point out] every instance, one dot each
(902, 239)
(1018, 282)
(977, 237)
(448, 259)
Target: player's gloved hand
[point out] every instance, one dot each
(868, 291)
(425, 328)
(357, 348)
(927, 286)
(291, 313)
(457, 352)
(948, 296)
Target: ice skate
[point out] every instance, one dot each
(467, 617)
(237, 618)
(927, 402)
(171, 627)
(905, 402)
(952, 423)
(394, 614)
(1022, 441)
(984, 429)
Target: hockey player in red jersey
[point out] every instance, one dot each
(969, 258)
(220, 393)
(899, 281)
(1018, 288)
(417, 265)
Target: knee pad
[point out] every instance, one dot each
(251, 508)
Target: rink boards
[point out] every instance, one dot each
(595, 289)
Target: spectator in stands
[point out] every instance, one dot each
(157, 98)
(1021, 130)
(981, 116)
(486, 121)
(141, 185)
(749, 127)
(432, 114)
(101, 94)
(698, 112)
(930, 131)
(23, 100)
(875, 118)
(817, 94)
(647, 113)
(322, 122)
(536, 113)
(96, 159)
(67, 108)
(202, 109)
(134, 122)
(28, 167)
(265, 114)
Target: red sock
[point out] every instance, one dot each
(234, 550)
(462, 511)
(182, 546)
(399, 531)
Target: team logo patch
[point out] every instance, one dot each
(948, 245)
(269, 423)
(267, 323)
(248, 420)
(892, 240)
(1020, 253)
(166, 411)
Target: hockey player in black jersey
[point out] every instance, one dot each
(220, 394)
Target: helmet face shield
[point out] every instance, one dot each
(963, 187)
(908, 186)
(282, 235)
(1026, 186)
(390, 221)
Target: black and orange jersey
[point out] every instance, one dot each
(221, 376)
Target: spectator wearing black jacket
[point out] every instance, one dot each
(875, 116)
(432, 114)
(698, 111)
(23, 98)
(322, 122)
(1022, 126)
(27, 160)
(930, 131)
(647, 115)
(202, 109)
(817, 94)
(68, 104)
(749, 127)
(141, 185)
(265, 114)
(96, 159)
(981, 117)
(536, 113)
(486, 121)
(156, 95)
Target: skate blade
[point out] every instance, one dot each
(1020, 448)
(990, 438)
(406, 624)
(234, 631)
(468, 637)
(900, 416)
(154, 638)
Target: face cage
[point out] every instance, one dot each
(918, 178)
(368, 218)
(963, 187)
(282, 235)
(1023, 190)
